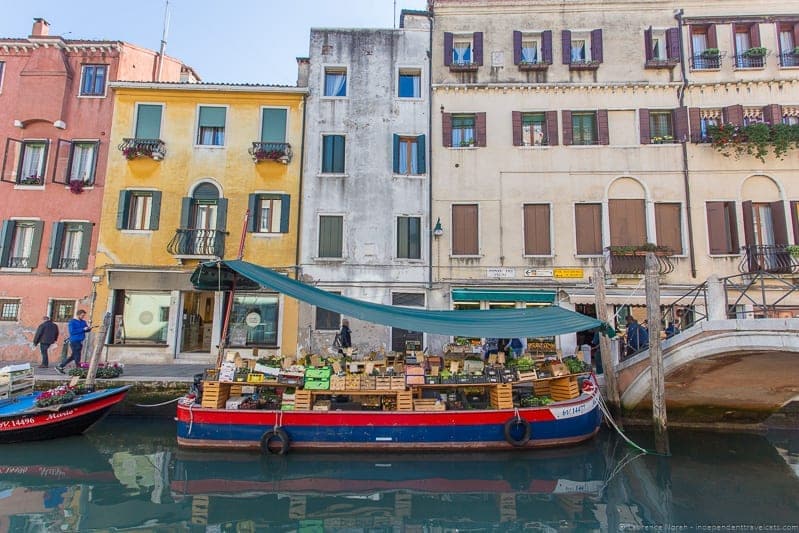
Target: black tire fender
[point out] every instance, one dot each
(511, 425)
(275, 441)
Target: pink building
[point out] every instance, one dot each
(55, 122)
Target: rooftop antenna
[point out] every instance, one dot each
(163, 41)
(395, 14)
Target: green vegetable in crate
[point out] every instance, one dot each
(574, 365)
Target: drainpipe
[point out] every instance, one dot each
(430, 149)
(684, 144)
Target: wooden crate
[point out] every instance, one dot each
(383, 383)
(16, 383)
(398, 382)
(541, 388)
(353, 381)
(501, 396)
(404, 401)
(215, 394)
(565, 388)
(302, 400)
(528, 376)
(236, 389)
(368, 382)
(429, 404)
(338, 383)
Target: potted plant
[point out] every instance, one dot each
(76, 186)
(33, 179)
(467, 142)
(710, 53)
(793, 250)
(756, 51)
(795, 51)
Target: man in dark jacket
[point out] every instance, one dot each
(45, 336)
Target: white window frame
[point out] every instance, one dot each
(462, 38)
(330, 67)
(83, 74)
(659, 36)
(581, 35)
(536, 38)
(407, 69)
(343, 257)
(135, 121)
(197, 127)
(96, 143)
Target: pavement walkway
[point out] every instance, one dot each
(133, 373)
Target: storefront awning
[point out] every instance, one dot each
(503, 295)
(620, 299)
(502, 323)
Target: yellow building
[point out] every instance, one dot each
(193, 159)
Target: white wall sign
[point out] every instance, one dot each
(538, 273)
(499, 272)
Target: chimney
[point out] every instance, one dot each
(303, 71)
(41, 28)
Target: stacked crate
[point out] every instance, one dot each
(414, 375)
(404, 401)
(541, 388)
(429, 404)
(501, 396)
(564, 388)
(353, 381)
(338, 383)
(215, 394)
(302, 400)
(16, 380)
(317, 378)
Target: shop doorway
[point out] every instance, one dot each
(197, 319)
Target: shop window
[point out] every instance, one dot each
(253, 320)
(145, 317)
(9, 310)
(62, 310)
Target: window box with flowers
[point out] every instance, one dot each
(270, 151)
(31, 180)
(663, 139)
(757, 51)
(143, 148)
(641, 250)
(76, 186)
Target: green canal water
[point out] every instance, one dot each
(128, 475)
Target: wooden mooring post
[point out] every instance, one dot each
(656, 354)
(608, 368)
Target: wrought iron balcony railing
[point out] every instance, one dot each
(634, 262)
(197, 242)
(463, 66)
(774, 259)
(789, 59)
(69, 263)
(19, 262)
(749, 61)
(534, 65)
(135, 148)
(702, 62)
(261, 151)
(583, 64)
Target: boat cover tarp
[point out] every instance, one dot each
(499, 323)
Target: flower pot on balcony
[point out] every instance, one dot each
(757, 51)
(158, 156)
(711, 53)
(76, 186)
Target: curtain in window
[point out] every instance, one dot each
(22, 244)
(408, 147)
(140, 209)
(699, 42)
(335, 84)
(72, 241)
(741, 42)
(530, 52)
(660, 125)
(265, 224)
(462, 53)
(462, 130)
(32, 163)
(583, 128)
(578, 51)
(82, 168)
(786, 41)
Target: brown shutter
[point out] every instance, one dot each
(516, 124)
(627, 222)
(732, 227)
(552, 128)
(749, 223)
(588, 228)
(712, 40)
(668, 226)
(546, 46)
(566, 44)
(447, 48)
(695, 120)
(464, 230)
(780, 228)
(772, 114)
(648, 43)
(536, 230)
(477, 42)
(596, 45)
(643, 119)
(716, 228)
(754, 35)
(446, 129)
(517, 47)
(602, 126)
(480, 129)
(680, 120)
(568, 131)
(795, 220)
(673, 43)
(733, 114)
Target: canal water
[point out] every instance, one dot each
(128, 475)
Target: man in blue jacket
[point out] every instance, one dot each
(77, 328)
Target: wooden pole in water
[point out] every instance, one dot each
(608, 369)
(98, 349)
(656, 353)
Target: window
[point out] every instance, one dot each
(400, 336)
(69, 246)
(409, 155)
(707, 122)
(269, 213)
(463, 130)
(148, 121)
(704, 48)
(82, 161)
(273, 125)
(327, 320)
(661, 129)
(410, 83)
(668, 224)
(722, 228)
(330, 236)
(138, 210)
(788, 34)
(9, 310)
(145, 317)
(536, 230)
(791, 120)
(62, 310)
(462, 50)
(662, 47)
(336, 81)
(409, 238)
(211, 126)
(588, 228)
(747, 45)
(93, 80)
(658, 47)
(534, 129)
(582, 50)
(2, 70)
(333, 152)
(20, 241)
(579, 52)
(584, 129)
(465, 234)
(253, 320)
(33, 161)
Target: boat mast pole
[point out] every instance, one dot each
(229, 307)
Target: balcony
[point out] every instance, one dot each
(631, 260)
(140, 148)
(18, 262)
(197, 242)
(68, 263)
(750, 61)
(527, 66)
(581, 64)
(280, 152)
(774, 259)
(662, 63)
(706, 62)
(789, 59)
(463, 66)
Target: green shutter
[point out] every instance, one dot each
(123, 209)
(254, 216)
(221, 214)
(85, 245)
(330, 236)
(273, 125)
(327, 154)
(212, 117)
(421, 154)
(402, 237)
(56, 239)
(148, 121)
(339, 143)
(36, 244)
(396, 153)
(6, 233)
(285, 205)
(185, 213)
(155, 210)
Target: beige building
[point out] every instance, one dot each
(569, 133)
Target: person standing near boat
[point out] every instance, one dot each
(345, 335)
(45, 336)
(77, 328)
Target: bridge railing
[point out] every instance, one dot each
(759, 295)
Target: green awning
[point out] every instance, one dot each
(501, 323)
(503, 295)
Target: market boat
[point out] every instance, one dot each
(404, 405)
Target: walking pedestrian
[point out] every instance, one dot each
(45, 336)
(77, 334)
